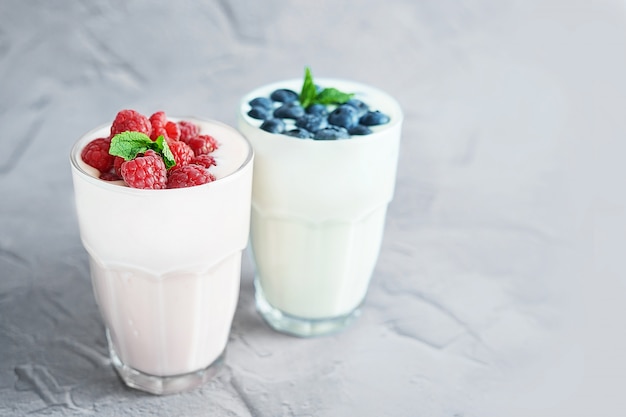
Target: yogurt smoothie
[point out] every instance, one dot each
(318, 215)
(165, 264)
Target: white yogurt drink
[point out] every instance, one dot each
(318, 215)
(165, 264)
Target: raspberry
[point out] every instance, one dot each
(202, 144)
(96, 154)
(132, 120)
(188, 176)
(188, 130)
(146, 171)
(182, 152)
(161, 126)
(206, 161)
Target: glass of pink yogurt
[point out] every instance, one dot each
(165, 264)
(318, 214)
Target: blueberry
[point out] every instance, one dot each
(361, 107)
(258, 112)
(289, 111)
(373, 118)
(284, 95)
(299, 133)
(264, 102)
(344, 116)
(273, 126)
(318, 109)
(331, 133)
(312, 122)
(360, 130)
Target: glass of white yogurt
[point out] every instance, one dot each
(165, 264)
(318, 214)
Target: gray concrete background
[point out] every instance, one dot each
(500, 286)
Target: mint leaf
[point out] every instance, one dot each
(308, 92)
(332, 96)
(130, 144)
(309, 95)
(165, 151)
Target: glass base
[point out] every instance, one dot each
(299, 326)
(163, 385)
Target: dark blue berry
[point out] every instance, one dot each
(374, 118)
(344, 116)
(260, 113)
(284, 95)
(331, 133)
(273, 126)
(312, 122)
(289, 111)
(299, 133)
(360, 130)
(361, 107)
(264, 102)
(318, 109)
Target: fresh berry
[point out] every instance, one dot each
(96, 154)
(205, 160)
(130, 120)
(289, 111)
(189, 176)
(331, 133)
(312, 122)
(260, 113)
(344, 116)
(202, 144)
(188, 130)
(360, 130)
(373, 118)
(263, 102)
(182, 152)
(147, 172)
(284, 95)
(273, 125)
(299, 133)
(163, 127)
(318, 109)
(360, 106)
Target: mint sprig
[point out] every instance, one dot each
(130, 144)
(309, 94)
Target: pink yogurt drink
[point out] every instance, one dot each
(165, 264)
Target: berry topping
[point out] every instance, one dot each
(312, 122)
(262, 102)
(299, 133)
(374, 118)
(163, 127)
(284, 95)
(318, 109)
(130, 120)
(359, 130)
(188, 176)
(260, 113)
(332, 133)
(96, 154)
(205, 160)
(188, 130)
(147, 171)
(273, 126)
(182, 152)
(360, 106)
(289, 111)
(344, 116)
(202, 144)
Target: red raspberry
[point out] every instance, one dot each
(203, 144)
(182, 152)
(188, 176)
(117, 165)
(161, 126)
(96, 154)
(146, 172)
(131, 120)
(188, 130)
(206, 161)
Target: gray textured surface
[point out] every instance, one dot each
(500, 287)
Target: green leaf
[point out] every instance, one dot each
(332, 96)
(130, 144)
(308, 92)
